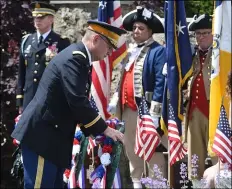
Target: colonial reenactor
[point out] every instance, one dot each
(47, 125)
(197, 114)
(36, 52)
(142, 75)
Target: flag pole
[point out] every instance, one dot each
(144, 164)
(170, 169)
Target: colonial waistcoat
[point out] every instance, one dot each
(200, 85)
(132, 85)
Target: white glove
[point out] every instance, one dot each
(165, 69)
(112, 107)
(155, 121)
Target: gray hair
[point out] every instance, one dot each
(88, 35)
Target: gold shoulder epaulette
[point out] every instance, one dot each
(79, 52)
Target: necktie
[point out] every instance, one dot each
(40, 39)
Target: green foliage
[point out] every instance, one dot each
(192, 7)
(199, 7)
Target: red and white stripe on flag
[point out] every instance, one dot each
(91, 145)
(222, 144)
(102, 70)
(147, 138)
(176, 148)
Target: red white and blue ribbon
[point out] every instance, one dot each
(81, 178)
(69, 176)
(117, 180)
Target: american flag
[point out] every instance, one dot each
(223, 138)
(109, 12)
(176, 148)
(91, 145)
(147, 138)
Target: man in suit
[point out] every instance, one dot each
(142, 76)
(47, 125)
(36, 52)
(198, 93)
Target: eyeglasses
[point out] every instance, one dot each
(107, 42)
(203, 34)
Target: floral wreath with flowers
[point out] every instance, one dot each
(104, 160)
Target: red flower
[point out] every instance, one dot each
(15, 142)
(107, 149)
(111, 125)
(67, 173)
(75, 141)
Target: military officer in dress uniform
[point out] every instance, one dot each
(47, 125)
(36, 52)
(142, 75)
(198, 92)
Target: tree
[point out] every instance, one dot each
(192, 7)
(199, 7)
(16, 21)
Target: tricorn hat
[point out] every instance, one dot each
(204, 21)
(109, 32)
(145, 16)
(42, 8)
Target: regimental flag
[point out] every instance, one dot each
(147, 138)
(221, 64)
(179, 66)
(179, 61)
(110, 12)
(176, 148)
(223, 138)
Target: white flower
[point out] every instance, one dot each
(48, 52)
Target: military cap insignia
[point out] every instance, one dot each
(42, 8)
(37, 5)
